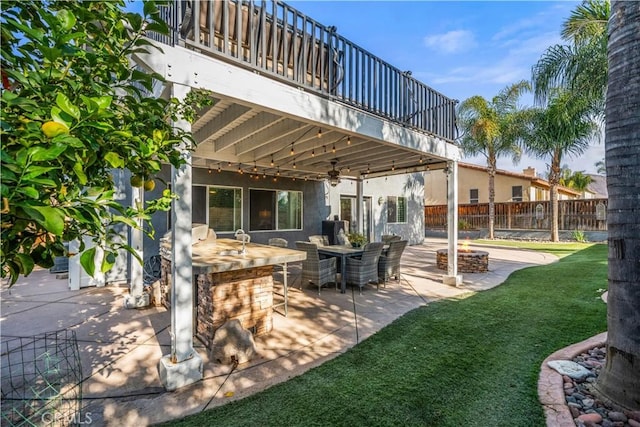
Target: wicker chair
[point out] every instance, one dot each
(319, 240)
(388, 238)
(279, 242)
(315, 270)
(363, 270)
(389, 263)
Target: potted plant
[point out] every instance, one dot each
(357, 239)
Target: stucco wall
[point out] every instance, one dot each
(436, 187)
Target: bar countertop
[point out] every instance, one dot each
(219, 255)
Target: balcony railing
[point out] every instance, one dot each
(279, 41)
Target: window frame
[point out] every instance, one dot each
(208, 188)
(392, 206)
(474, 200)
(517, 198)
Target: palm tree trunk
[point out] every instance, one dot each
(554, 179)
(492, 195)
(620, 377)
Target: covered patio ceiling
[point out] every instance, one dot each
(236, 136)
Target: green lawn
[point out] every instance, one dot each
(467, 362)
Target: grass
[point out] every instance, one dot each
(467, 362)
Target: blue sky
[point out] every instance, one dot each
(460, 48)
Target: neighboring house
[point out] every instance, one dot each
(473, 186)
(598, 186)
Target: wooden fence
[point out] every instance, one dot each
(581, 214)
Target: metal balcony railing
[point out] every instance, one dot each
(279, 41)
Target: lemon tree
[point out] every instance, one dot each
(74, 109)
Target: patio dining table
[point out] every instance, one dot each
(342, 252)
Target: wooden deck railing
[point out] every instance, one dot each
(583, 214)
(278, 41)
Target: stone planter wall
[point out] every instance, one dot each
(468, 262)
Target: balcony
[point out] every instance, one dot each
(275, 41)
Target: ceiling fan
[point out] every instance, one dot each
(334, 174)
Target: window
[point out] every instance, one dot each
(473, 196)
(275, 210)
(225, 209)
(516, 193)
(396, 209)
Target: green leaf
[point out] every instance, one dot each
(114, 159)
(35, 171)
(26, 263)
(66, 19)
(50, 218)
(123, 219)
(40, 153)
(87, 261)
(78, 169)
(108, 261)
(29, 192)
(59, 116)
(63, 102)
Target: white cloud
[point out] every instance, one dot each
(452, 41)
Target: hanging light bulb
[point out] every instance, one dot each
(292, 152)
(255, 168)
(219, 168)
(313, 152)
(240, 168)
(319, 133)
(294, 164)
(278, 172)
(333, 149)
(229, 164)
(393, 165)
(348, 169)
(210, 169)
(420, 159)
(368, 170)
(272, 160)
(348, 140)
(264, 174)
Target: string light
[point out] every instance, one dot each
(292, 152)
(240, 168)
(348, 140)
(272, 160)
(319, 133)
(348, 169)
(393, 165)
(278, 172)
(313, 152)
(368, 170)
(255, 168)
(229, 164)
(219, 168)
(294, 164)
(210, 169)
(420, 159)
(333, 149)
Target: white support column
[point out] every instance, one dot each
(137, 297)
(359, 208)
(452, 277)
(184, 365)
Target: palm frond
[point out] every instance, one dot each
(587, 21)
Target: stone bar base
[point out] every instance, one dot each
(246, 295)
(468, 262)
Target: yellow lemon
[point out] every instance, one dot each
(53, 129)
(149, 185)
(136, 181)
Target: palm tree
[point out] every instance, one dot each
(620, 377)
(577, 180)
(580, 65)
(487, 129)
(564, 127)
(601, 167)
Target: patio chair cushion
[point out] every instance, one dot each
(319, 240)
(279, 242)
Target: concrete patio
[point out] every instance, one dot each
(120, 348)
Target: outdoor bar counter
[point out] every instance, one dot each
(230, 285)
